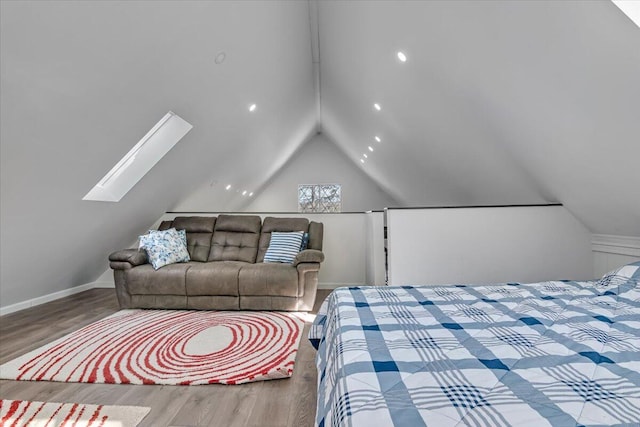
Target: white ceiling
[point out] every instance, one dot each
(499, 102)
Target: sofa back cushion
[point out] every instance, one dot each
(316, 234)
(165, 225)
(272, 224)
(235, 238)
(199, 234)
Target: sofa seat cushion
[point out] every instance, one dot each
(214, 278)
(169, 280)
(169, 302)
(252, 302)
(213, 302)
(269, 279)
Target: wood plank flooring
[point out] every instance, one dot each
(276, 403)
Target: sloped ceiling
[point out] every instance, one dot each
(319, 160)
(82, 82)
(499, 102)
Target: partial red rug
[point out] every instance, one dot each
(174, 347)
(18, 413)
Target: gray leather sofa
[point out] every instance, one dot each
(226, 271)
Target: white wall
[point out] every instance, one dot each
(344, 245)
(352, 246)
(487, 245)
(354, 249)
(375, 259)
(318, 161)
(611, 252)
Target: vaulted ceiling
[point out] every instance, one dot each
(498, 102)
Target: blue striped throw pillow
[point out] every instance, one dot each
(305, 241)
(283, 247)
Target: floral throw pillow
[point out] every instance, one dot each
(165, 247)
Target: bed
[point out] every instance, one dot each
(559, 353)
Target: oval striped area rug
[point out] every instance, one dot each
(18, 413)
(173, 347)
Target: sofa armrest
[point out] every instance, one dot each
(127, 258)
(308, 255)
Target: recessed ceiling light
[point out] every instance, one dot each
(377, 106)
(361, 160)
(365, 155)
(228, 187)
(377, 138)
(251, 194)
(252, 107)
(402, 57)
(220, 57)
(244, 193)
(370, 148)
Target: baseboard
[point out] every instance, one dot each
(619, 245)
(337, 285)
(45, 298)
(104, 284)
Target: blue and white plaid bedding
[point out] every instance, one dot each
(547, 354)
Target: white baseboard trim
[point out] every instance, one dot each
(620, 245)
(104, 284)
(45, 298)
(337, 285)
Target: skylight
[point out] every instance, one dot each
(631, 8)
(140, 159)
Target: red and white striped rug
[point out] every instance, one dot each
(174, 347)
(18, 413)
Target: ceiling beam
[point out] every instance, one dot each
(314, 29)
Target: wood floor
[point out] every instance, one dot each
(276, 403)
